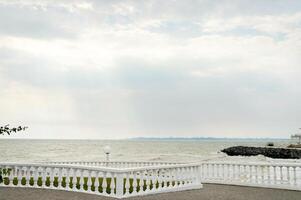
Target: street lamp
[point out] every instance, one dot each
(297, 136)
(107, 151)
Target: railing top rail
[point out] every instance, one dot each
(131, 162)
(253, 163)
(82, 167)
(101, 168)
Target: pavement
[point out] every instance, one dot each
(209, 192)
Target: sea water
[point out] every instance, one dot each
(14, 150)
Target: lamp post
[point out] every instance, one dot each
(297, 136)
(107, 151)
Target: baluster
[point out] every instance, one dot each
(245, 174)
(295, 175)
(127, 184)
(113, 184)
(44, 176)
(89, 182)
(194, 174)
(11, 176)
(155, 179)
(262, 174)
(96, 182)
(230, 172)
(163, 178)
(169, 178)
(227, 171)
(104, 183)
(51, 171)
(238, 172)
(216, 167)
(160, 177)
(19, 171)
(281, 174)
(68, 170)
(81, 180)
(73, 174)
(191, 175)
(35, 177)
(235, 172)
(27, 169)
(148, 180)
(256, 174)
(176, 177)
(15, 175)
(119, 184)
(269, 175)
(191, 178)
(202, 171)
(275, 175)
(141, 182)
(288, 175)
(186, 175)
(172, 178)
(60, 178)
(180, 177)
(208, 171)
(212, 171)
(134, 183)
(220, 172)
(248, 174)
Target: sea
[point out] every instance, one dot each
(166, 150)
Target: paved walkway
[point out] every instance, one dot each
(209, 192)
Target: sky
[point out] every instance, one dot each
(101, 69)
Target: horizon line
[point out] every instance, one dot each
(151, 138)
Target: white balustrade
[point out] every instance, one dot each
(126, 179)
(285, 176)
(113, 182)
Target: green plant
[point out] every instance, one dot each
(7, 130)
(4, 172)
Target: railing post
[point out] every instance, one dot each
(119, 185)
(198, 176)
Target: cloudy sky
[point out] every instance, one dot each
(118, 69)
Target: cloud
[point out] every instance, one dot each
(112, 69)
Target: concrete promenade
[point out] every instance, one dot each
(209, 192)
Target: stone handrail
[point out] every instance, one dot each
(112, 182)
(271, 175)
(115, 164)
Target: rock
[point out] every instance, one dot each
(283, 153)
(294, 146)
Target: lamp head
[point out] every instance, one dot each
(107, 149)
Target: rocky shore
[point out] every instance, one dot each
(272, 152)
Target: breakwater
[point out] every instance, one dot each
(272, 152)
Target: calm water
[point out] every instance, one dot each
(126, 150)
